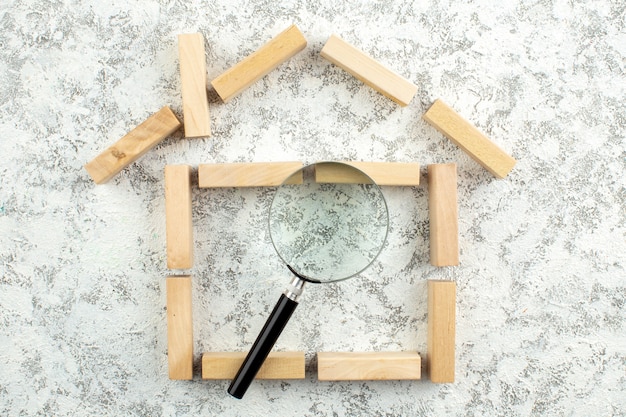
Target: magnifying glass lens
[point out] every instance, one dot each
(328, 231)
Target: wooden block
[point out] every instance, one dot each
(362, 366)
(383, 173)
(193, 78)
(441, 329)
(178, 223)
(179, 327)
(133, 145)
(368, 70)
(443, 214)
(278, 365)
(467, 137)
(260, 63)
(259, 174)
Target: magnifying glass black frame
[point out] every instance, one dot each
(285, 307)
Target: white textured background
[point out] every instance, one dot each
(541, 285)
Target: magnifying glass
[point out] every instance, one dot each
(324, 230)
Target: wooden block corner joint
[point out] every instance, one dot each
(256, 174)
(443, 215)
(368, 70)
(193, 76)
(461, 132)
(278, 365)
(178, 218)
(363, 366)
(133, 145)
(382, 173)
(441, 330)
(179, 327)
(254, 67)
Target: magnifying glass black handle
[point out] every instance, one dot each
(262, 346)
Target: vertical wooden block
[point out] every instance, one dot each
(179, 327)
(278, 365)
(133, 145)
(260, 63)
(368, 70)
(193, 77)
(467, 137)
(178, 222)
(441, 330)
(383, 173)
(443, 214)
(259, 174)
(364, 366)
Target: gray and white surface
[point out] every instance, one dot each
(541, 285)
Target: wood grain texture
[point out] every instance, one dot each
(193, 76)
(441, 330)
(179, 327)
(259, 174)
(362, 366)
(443, 215)
(260, 63)
(178, 220)
(368, 70)
(133, 145)
(278, 365)
(383, 173)
(471, 140)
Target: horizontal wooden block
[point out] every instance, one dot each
(179, 327)
(383, 173)
(443, 215)
(441, 330)
(259, 174)
(178, 221)
(133, 145)
(260, 63)
(278, 365)
(362, 366)
(193, 77)
(368, 70)
(467, 137)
